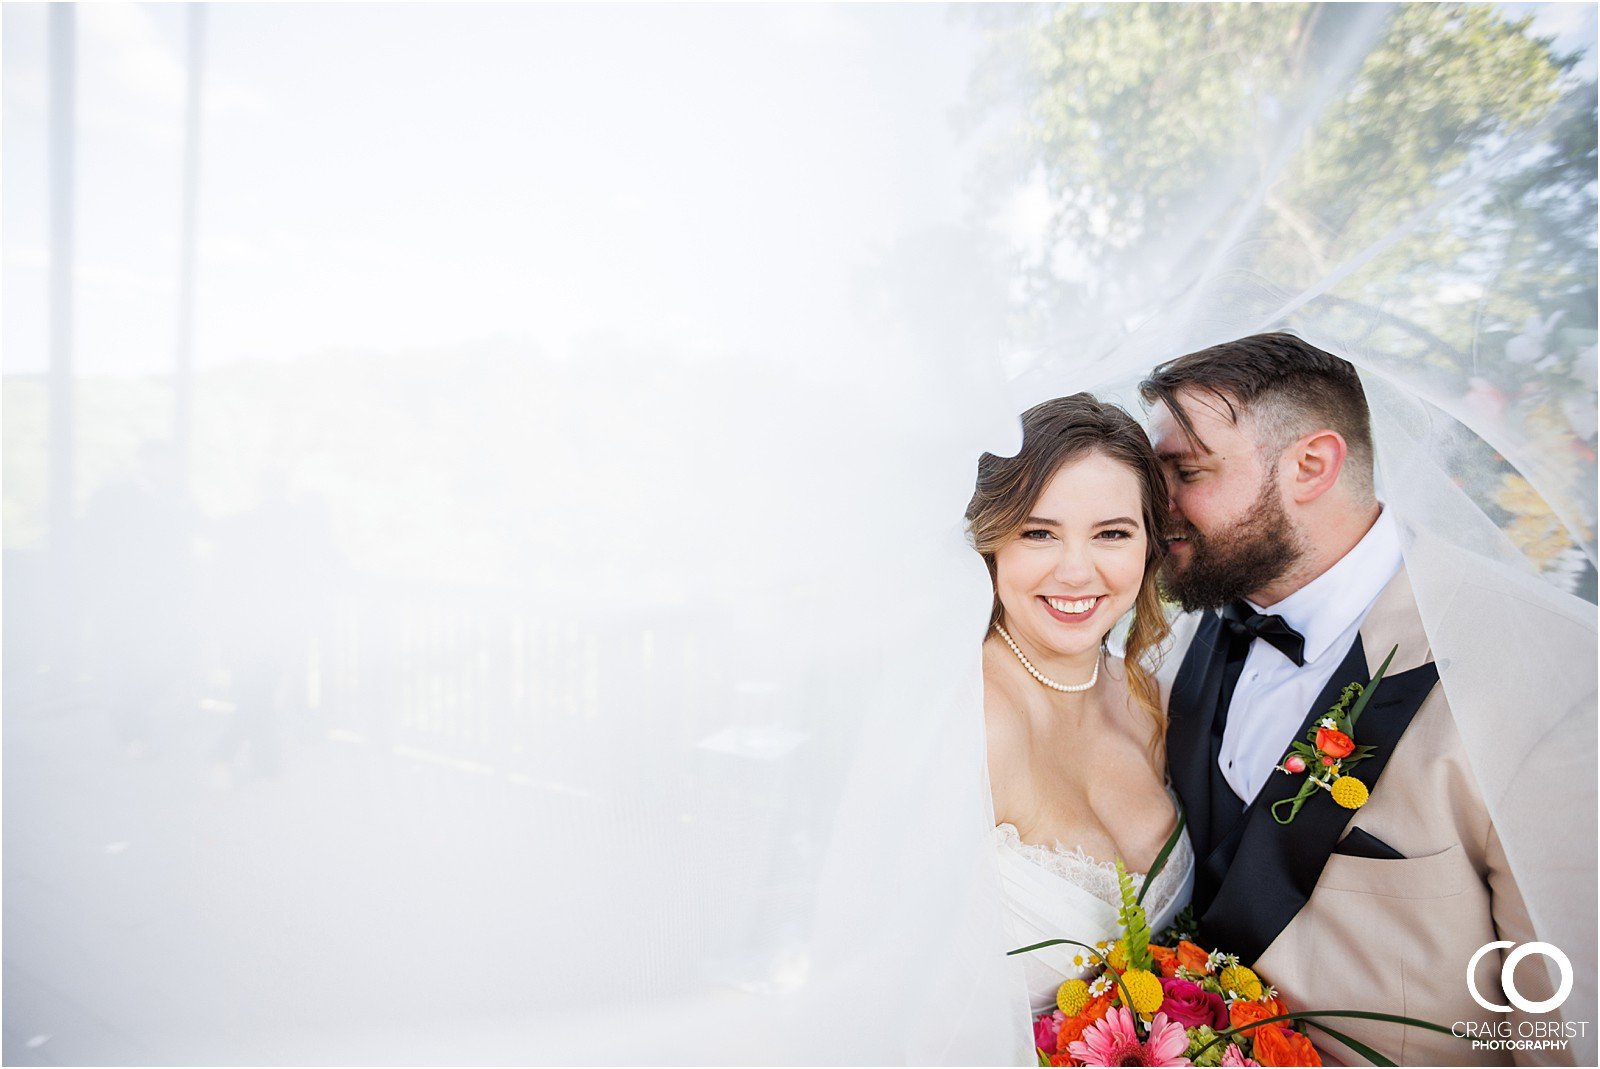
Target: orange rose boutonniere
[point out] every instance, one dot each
(1330, 751)
(1335, 743)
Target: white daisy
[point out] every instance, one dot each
(1101, 985)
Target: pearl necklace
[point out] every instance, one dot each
(1075, 688)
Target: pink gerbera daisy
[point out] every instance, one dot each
(1112, 1040)
(1233, 1056)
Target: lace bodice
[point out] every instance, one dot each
(1098, 877)
(1059, 892)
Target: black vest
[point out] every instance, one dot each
(1253, 874)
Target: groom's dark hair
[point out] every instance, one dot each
(1288, 387)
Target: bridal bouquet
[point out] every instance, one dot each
(1175, 1006)
(1148, 1004)
(1152, 1004)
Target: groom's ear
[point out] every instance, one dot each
(1318, 458)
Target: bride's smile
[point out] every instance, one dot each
(1074, 727)
(1070, 610)
(1074, 567)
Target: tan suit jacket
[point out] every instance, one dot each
(1395, 935)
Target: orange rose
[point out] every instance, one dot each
(1243, 1013)
(1072, 1028)
(1166, 960)
(1335, 744)
(1192, 957)
(1060, 1058)
(1070, 1032)
(1276, 1045)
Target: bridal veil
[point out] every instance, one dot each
(578, 406)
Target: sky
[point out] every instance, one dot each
(379, 178)
(382, 177)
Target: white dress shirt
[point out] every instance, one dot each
(1273, 696)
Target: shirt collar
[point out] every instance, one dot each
(1324, 608)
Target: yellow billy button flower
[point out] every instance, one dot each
(1072, 997)
(1144, 989)
(1349, 792)
(1118, 955)
(1240, 979)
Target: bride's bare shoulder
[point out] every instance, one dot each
(1004, 717)
(1007, 740)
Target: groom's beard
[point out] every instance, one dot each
(1225, 567)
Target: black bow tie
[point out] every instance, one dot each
(1244, 622)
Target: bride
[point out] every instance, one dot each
(1071, 528)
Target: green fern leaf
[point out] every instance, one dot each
(1350, 693)
(1135, 926)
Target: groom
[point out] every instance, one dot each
(1278, 539)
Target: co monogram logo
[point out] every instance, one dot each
(1508, 979)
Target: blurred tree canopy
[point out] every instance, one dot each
(1313, 130)
(1425, 173)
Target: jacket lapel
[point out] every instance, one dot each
(1190, 712)
(1271, 868)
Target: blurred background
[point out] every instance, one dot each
(483, 574)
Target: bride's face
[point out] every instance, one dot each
(1075, 566)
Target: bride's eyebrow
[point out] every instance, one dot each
(1040, 521)
(1119, 521)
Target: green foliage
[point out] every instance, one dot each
(1446, 84)
(1133, 102)
(1371, 1055)
(1183, 926)
(1163, 854)
(1134, 112)
(1314, 1018)
(1135, 927)
(1341, 708)
(1423, 172)
(1203, 1048)
(1370, 689)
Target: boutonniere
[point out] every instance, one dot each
(1330, 751)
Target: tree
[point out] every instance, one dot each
(1427, 168)
(1341, 119)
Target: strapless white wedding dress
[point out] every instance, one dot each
(1061, 893)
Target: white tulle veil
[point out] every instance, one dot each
(581, 405)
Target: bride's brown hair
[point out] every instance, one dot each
(1054, 434)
